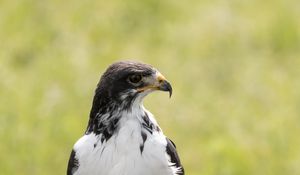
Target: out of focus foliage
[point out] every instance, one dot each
(234, 66)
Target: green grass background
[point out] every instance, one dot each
(234, 66)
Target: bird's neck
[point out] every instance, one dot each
(109, 116)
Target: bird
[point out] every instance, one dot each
(122, 136)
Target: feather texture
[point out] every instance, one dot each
(122, 137)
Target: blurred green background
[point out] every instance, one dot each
(234, 66)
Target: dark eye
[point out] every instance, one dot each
(135, 78)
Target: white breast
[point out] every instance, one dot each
(121, 154)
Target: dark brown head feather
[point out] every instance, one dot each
(113, 83)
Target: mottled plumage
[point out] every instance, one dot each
(122, 137)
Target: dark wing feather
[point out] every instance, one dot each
(171, 151)
(73, 163)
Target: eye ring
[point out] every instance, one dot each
(136, 78)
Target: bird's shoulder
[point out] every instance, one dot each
(73, 163)
(173, 157)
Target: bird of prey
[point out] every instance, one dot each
(122, 137)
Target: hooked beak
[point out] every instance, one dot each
(158, 82)
(164, 85)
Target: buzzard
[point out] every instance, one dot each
(122, 137)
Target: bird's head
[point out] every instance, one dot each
(129, 82)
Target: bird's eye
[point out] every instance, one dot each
(135, 78)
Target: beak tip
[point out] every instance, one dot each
(170, 93)
(166, 86)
